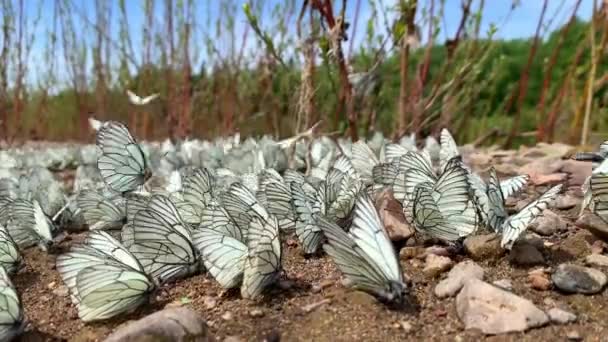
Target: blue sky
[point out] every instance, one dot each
(519, 23)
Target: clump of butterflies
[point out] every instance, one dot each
(142, 239)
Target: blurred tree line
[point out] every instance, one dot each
(548, 87)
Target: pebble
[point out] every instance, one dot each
(566, 201)
(227, 316)
(391, 215)
(313, 306)
(539, 280)
(175, 324)
(504, 284)
(406, 326)
(577, 245)
(483, 247)
(256, 313)
(495, 311)
(435, 265)
(548, 224)
(233, 339)
(61, 291)
(456, 278)
(209, 302)
(51, 285)
(573, 335)
(593, 224)
(597, 260)
(407, 253)
(578, 279)
(560, 316)
(525, 254)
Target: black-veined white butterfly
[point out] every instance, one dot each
(104, 278)
(28, 225)
(364, 160)
(242, 206)
(10, 258)
(275, 195)
(598, 186)
(122, 162)
(12, 320)
(512, 227)
(306, 207)
(162, 241)
(418, 167)
(263, 263)
(443, 209)
(365, 254)
(101, 212)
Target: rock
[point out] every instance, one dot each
(361, 298)
(435, 265)
(227, 316)
(566, 201)
(548, 224)
(525, 254)
(597, 247)
(456, 278)
(178, 324)
(539, 280)
(209, 302)
(391, 214)
(573, 335)
(323, 284)
(233, 339)
(437, 250)
(61, 291)
(578, 279)
(594, 224)
(577, 171)
(411, 252)
(504, 284)
(597, 260)
(577, 245)
(483, 247)
(256, 313)
(495, 311)
(560, 316)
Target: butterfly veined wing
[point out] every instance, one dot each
(223, 256)
(307, 231)
(217, 219)
(11, 312)
(197, 188)
(100, 212)
(263, 262)
(342, 206)
(418, 169)
(449, 148)
(27, 224)
(515, 225)
(496, 213)
(385, 173)
(598, 185)
(162, 242)
(291, 176)
(135, 202)
(364, 160)
(395, 151)
(10, 258)
(513, 185)
(242, 205)
(122, 163)
(279, 203)
(345, 165)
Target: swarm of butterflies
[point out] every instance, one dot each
(143, 237)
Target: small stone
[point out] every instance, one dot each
(176, 324)
(233, 339)
(577, 279)
(407, 253)
(548, 224)
(566, 201)
(495, 311)
(483, 247)
(435, 265)
(539, 281)
(406, 326)
(598, 247)
(597, 260)
(209, 302)
(593, 224)
(61, 291)
(256, 313)
(573, 335)
(577, 245)
(437, 250)
(227, 316)
(525, 254)
(313, 306)
(391, 215)
(51, 285)
(457, 277)
(560, 316)
(504, 284)
(320, 286)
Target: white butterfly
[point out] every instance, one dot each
(365, 254)
(12, 320)
(104, 278)
(512, 227)
(161, 241)
(28, 225)
(598, 187)
(122, 163)
(95, 124)
(449, 148)
(443, 208)
(242, 206)
(138, 101)
(101, 212)
(275, 195)
(263, 264)
(10, 258)
(363, 161)
(306, 207)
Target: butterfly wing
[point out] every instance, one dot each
(599, 192)
(306, 206)
(364, 160)
(496, 213)
(513, 185)
(11, 311)
(263, 262)
(10, 258)
(100, 212)
(223, 256)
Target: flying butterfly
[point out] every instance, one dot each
(138, 101)
(104, 278)
(12, 319)
(512, 227)
(365, 255)
(101, 212)
(122, 163)
(162, 241)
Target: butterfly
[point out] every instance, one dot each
(275, 195)
(598, 186)
(512, 227)
(263, 263)
(443, 208)
(10, 258)
(307, 205)
(122, 163)
(104, 278)
(101, 212)
(27, 224)
(364, 160)
(365, 254)
(12, 319)
(161, 241)
(138, 101)
(242, 206)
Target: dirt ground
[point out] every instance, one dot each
(311, 304)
